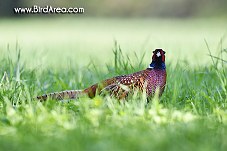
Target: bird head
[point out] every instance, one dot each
(158, 59)
(158, 55)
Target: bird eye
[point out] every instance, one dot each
(153, 51)
(164, 52)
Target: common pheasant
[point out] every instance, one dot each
(150, 79)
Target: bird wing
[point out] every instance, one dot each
(118, 90)
(124, 84)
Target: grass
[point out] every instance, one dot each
(190, 115)
(52, 42)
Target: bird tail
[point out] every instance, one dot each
(68, 94)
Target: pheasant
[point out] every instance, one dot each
(150, 79)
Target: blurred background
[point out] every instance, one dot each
(128, 8)
(181, 27)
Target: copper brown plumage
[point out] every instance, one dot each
(150, 79)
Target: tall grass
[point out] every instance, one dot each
(190, 115)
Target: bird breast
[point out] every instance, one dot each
(156, 79)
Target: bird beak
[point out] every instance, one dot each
(158, 54)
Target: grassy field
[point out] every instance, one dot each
(48, 42)
(39, 56)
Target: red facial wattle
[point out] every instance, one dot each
(163, 55)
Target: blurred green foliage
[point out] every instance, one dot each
(190, 115)
(128, 8)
